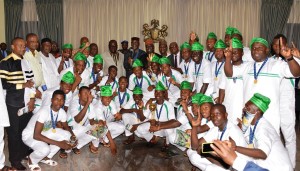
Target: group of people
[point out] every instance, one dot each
(236, 99)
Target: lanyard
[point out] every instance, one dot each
(137, 83)
(121, 100)
(197, 70)
(95, 76)
(257, 73)
(67, 66)
(186, 68)
(136, 55)
(52, 119)
(210, 56)
(223, 132)
(167, 85)
(106, 113)
(251, 136)
(158, 114)
(217, 69)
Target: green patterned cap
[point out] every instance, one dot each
(106, 91)
(261, 101)
(79, 57)
(185, 85)
(165, 60)
(197, 46)
(236, 43)
(196, 98)
(160, 87)
(205, 99)
(137, 91)
(236, 31)
(259, 40)
(220, 44)
(211, 35)
(67, 46)
(155, 59)
(185, 45)
(98, 59)
(137, 63)
(229, 30)
(68, 77)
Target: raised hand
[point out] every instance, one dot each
(284, 50)
(295, 51)
(196, 122)
(228, 51)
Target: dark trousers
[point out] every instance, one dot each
(17, 149)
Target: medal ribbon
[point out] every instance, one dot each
(256, 74)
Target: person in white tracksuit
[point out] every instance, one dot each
(44, 137)
(263, 143)
(287, 103)
(106, 112)
(132, 115)
(231, 88)
(264, 76)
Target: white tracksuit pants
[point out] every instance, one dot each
(42, 149)
(131, 119)
(143, 131)
(82, 137)
(115, 129)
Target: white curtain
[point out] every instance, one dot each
(292, 28)
(103, 20)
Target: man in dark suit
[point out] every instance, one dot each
(135, 53)
(175, 56)
(3, 51)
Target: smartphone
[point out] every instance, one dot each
(206, 148)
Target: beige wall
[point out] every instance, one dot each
(2, 22)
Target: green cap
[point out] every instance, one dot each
(259, 40)
(236, 43)
(67, 46)
(155, 59)
(137, 91)
(196, 98)
(197, 46)
(82, 45)
(236, 31)
(68, 77)
(185, 85)
(160, 87)
(261, 101)
(98, 59)
(229, 30)
(137, 63)
(185, 45)
(211, 35)
(165, 60)
(79, 57)
(106, 91)
(220, 44)
(205, 99)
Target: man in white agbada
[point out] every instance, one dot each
(201, 69)
(65, 61)
(49, 67)
(264, 145)
(106, 111)
(80, 72)
(81, 117)
(140, 78)
(44, 137)
(164, 111)
(171, 79)
(113, 57)
(186, 62)
(287, 103)
(231, 88)
(223, 130)
(132, 114)
(217, 68)
(264, 76)
(3, 123)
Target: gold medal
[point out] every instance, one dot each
(255, 81)
(54, 130)
(250, 145)
(80, 123)
(216, 78)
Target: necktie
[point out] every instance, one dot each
(175, 61)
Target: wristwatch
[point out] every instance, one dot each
(289, 59)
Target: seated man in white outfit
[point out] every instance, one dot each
(106, 112)
(132, 114)
(44, 137)
(264, 144)
(157, 111)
